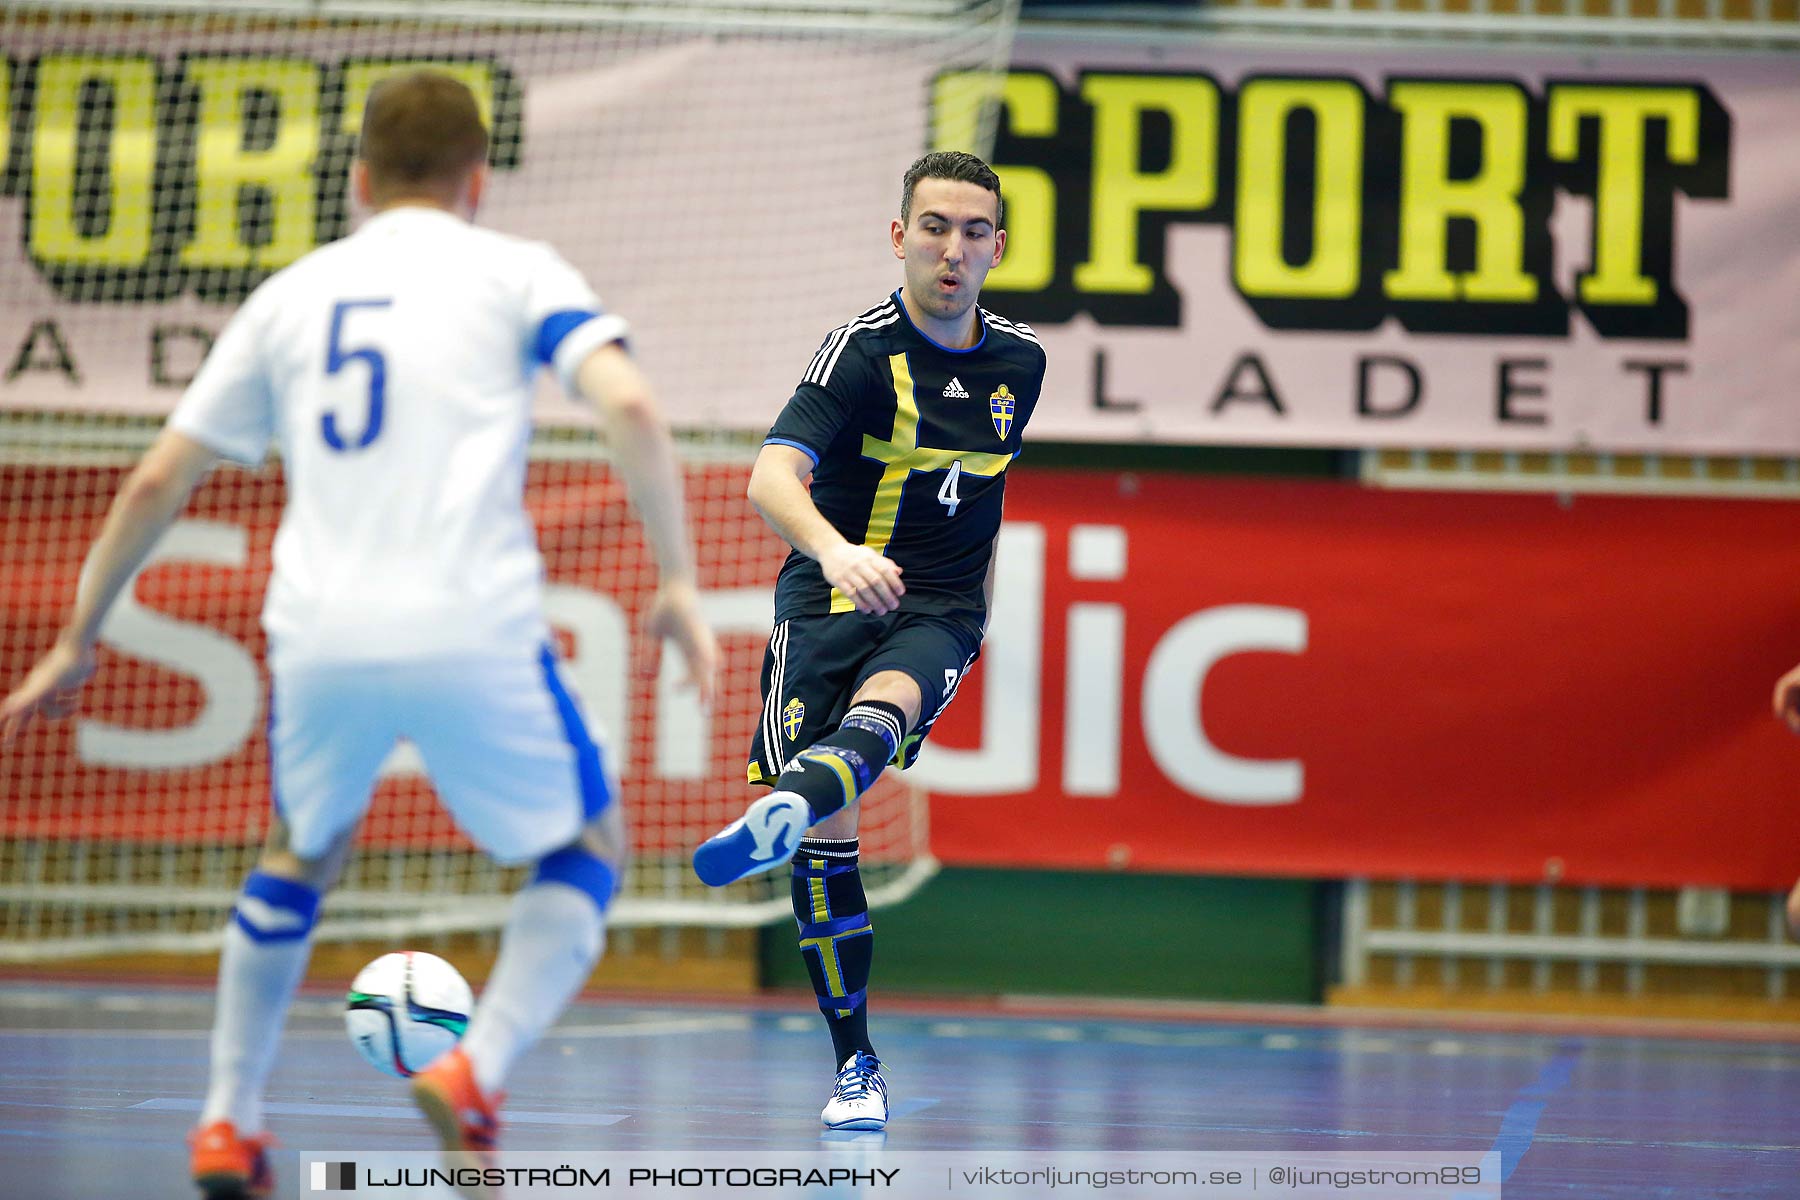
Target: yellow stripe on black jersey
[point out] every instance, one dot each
(911, 442)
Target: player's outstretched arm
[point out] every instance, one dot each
(645, 455)
(778, 490)
(1787, 710)
(1787, 699)
(148, 501)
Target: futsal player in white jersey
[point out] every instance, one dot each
(395, 370)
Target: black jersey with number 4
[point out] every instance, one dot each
(910, 442)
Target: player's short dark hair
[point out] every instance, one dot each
(956, 165)
(421, 131)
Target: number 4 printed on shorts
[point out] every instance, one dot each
(952, 677)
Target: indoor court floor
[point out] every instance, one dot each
(102, 1081)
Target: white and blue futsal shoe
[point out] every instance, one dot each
(859, 1098)
(764, 838)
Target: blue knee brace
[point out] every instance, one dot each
(272, 909)
(577, 867)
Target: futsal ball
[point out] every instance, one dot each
(406, 1009)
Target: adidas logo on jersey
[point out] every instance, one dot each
(954, 390)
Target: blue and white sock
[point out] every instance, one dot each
(267, 943)
(553, 938)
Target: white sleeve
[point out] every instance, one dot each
(228, 408)
(564, 319)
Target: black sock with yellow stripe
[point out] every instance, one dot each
(840, 766)
(836, 939)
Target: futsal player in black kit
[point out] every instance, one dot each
(907, 420)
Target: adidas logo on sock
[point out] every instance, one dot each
(954, 390)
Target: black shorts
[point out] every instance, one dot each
(815, 664)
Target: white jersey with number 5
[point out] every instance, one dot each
(395, 369)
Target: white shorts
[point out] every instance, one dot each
(503, 741)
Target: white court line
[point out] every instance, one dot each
(98, 1032)
(124, 1004)
(396, 1112)
(1159, 1037)
(33, 1000)
(303, 1007)
(630, 1029)
(722, 1024)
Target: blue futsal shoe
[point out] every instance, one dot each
(859, 1098)
(764, 838)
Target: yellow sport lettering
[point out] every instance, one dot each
(1098, 191)
(138, 165)
(1123, 190)
(1028, 104)
(1622, 113)
(224, 165)
(118, 234)
(1490, 199)
(360, 78)
(1264, 174)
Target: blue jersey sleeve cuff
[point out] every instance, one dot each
(557, 326)
(565, 339)
(800, 446)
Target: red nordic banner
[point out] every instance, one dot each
(1325, 680)
(1180, 675)
(169, 743)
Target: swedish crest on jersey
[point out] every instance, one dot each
(1000, 407)
(792, 716)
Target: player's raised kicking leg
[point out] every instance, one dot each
(820, 780)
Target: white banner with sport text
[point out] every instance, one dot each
(726, 190)
(1394, 246)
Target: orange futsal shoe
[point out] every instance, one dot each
(467, 1123)
(227, 1166)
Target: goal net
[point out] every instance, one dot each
(722, 171)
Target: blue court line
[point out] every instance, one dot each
(1519, 1125)
(396, 1111)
